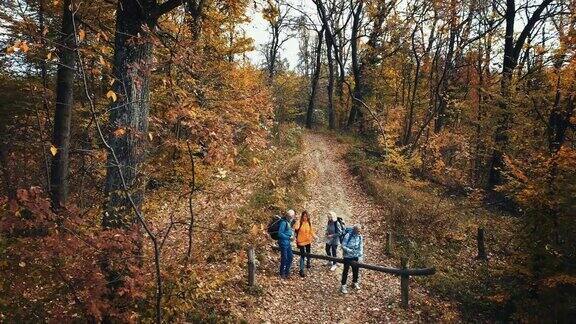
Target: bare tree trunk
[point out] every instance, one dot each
(410, 115)
(64, 104)
(331, 117)
(314, 83)
(129, 114)
(128, 118)
(356, 68)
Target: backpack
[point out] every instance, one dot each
(274, 227)
(340, 221)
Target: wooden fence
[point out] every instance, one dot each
(403, 272)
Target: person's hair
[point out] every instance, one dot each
(305, 213)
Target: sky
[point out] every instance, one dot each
(257, 29)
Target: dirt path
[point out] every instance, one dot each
(316, 298)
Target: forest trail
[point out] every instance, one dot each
(316, 298)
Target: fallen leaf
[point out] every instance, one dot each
(24, 47)
(111, 95)
(53, 150)
(81, 34)
(119, 132)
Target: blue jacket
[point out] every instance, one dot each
(353, 245)
(284, 232)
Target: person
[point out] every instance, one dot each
(304, 236)
(333, 231)
(285, 238)
(353, 251)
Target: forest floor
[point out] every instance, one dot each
(316, 298)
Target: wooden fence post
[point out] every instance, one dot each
(251, 267)
(481, 246)
(389, 246)
(404, 282)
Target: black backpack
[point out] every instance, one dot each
(274, 226)
(340, 221)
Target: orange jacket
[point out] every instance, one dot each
(305, 233)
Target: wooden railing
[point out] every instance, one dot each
(403, 272)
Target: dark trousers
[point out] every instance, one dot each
(355, 269)
(304, 249)
(332, 250)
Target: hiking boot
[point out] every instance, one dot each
(333, 267)
(302, 274)
(343, 289)
(356, 286)
(328, 263)
(308, 266)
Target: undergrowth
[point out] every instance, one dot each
(202, 292)
(433, 228)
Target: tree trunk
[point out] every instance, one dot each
(195, 9)
(410, 116)
(129, 114)
(356, 68)
(446, 76)
(314, 83)
(331, 117)
(64, 105)
(559, 120)
(511, 52)
(501, 135)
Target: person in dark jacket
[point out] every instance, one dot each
(285, 238)
(353, 251)
(333, 231)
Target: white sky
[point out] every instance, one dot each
(257, 29)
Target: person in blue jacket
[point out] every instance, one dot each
(285, 238)
(353, 251)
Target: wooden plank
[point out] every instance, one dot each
(251, 267)
(404, 283)
(394, 271)
(481, 246)
(389, 246)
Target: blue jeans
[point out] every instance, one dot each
(286, 257)
(304, 249)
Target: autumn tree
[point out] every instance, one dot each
(64, 106)
(135, 22)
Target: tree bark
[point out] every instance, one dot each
(330, 45)
(129, 114)
(356, 68)
(331, 117)
(63, 113)
(195, 8)
(410, 114)
(314, 81)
